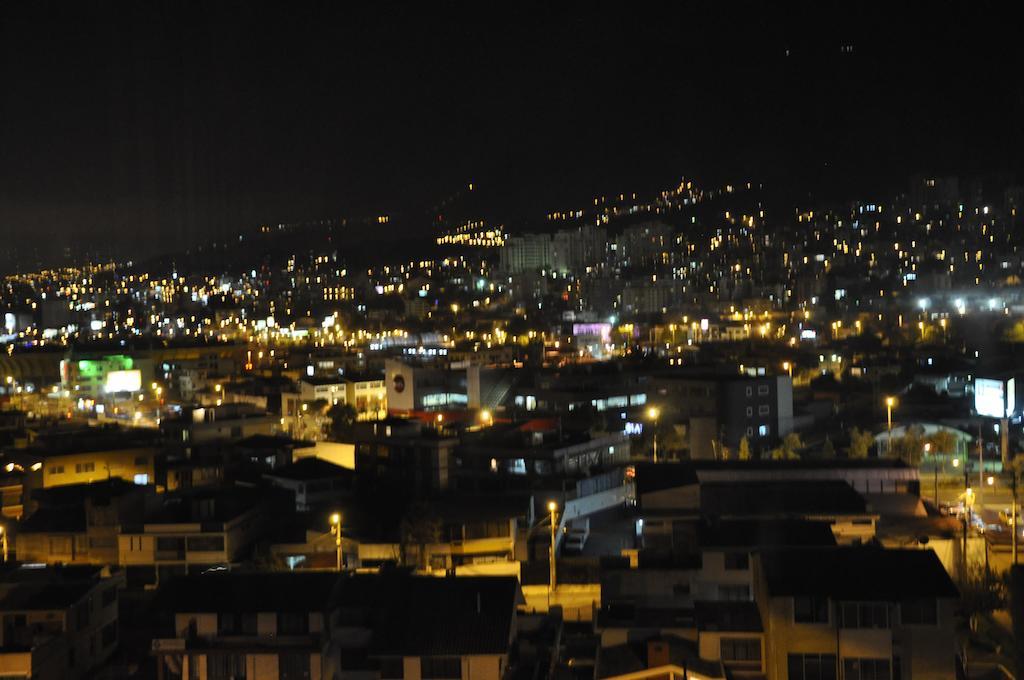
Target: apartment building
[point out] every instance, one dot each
(59, 623)
(856, 613)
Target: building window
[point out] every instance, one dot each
(292, 623)
(228, 624)
(738, 560)
(923, 612)
(763, 430)
(762, 390)
(142, 480)
(84, 467)
(57, 470)
(141, 461)
(225, 667)
(812, 666)
(745, 651)
(738, 593)
(750, 411)
(441, 668)
(205, 543)
(750, 432)
(763, 410)
(864, 615)
(810, 610)
(750, 391)
(867, 669)
(294, 666)
(392, 669)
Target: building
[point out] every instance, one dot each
(720, 410)
(266, 626)
(526, 253)
(192, 533)
(100, 376)
(227, 422)
(315, 483)
(79, 523)
(856, 612)
(83, 455)
(313, 626)
(59, 622)
(330, 389)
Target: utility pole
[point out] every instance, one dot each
(1014, 524)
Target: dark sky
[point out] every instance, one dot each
(150, 125)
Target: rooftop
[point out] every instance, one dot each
(248, 592)
(856, 573)
(767, 498)
(307, 469)
(750, 533)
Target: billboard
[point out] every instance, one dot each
(123, 381)
(994, 398)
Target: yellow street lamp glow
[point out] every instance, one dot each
(890, 402)
(552, 506)
(217, 387)
(956, 462)
(653, 413)
(440, 417)
(990, 480)
(485, 416)
(335, 518)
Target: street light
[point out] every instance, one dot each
(788, 368)
(336, 531)
(486, 417)
(653, 414)
(553, 509)
(889, 403)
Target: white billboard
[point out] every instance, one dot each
(994, 398)
(123, 381)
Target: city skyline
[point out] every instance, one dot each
(182, 126)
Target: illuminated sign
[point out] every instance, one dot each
(994, 398)
(399, 383)
(601, 330)
(124, 381)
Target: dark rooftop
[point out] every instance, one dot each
(768, 498)
(306, 469)
(30, 588)
(633, 657)
(857, 573)
(752, 533)
(248, 592)
(439, 616)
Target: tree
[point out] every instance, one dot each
(419, 529)
(792, 442)
(909, 447)
(789, 449)
(942, 442)
(744, 449)
(860, 443)
(828, 449)
(343, 420)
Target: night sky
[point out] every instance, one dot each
(149, 126)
